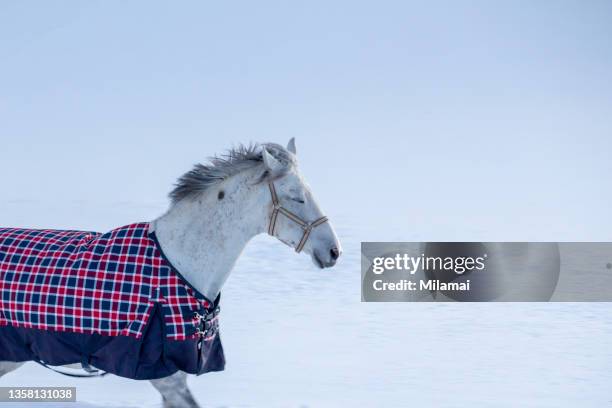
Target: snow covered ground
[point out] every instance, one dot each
(296, 336)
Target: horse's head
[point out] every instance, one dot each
(294, 215)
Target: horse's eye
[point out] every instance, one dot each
(297, 200)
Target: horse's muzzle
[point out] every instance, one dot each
(328, 259)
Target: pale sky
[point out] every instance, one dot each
(423, 118)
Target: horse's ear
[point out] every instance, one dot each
(271, 163)
(291, 146)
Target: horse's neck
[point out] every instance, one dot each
(204, 237)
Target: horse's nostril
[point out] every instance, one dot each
(335, 253)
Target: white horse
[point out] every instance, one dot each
(217, 208)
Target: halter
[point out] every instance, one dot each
(306, 226)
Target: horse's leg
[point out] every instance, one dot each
(174, 391)
(8, 366)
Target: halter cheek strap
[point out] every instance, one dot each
(306, 226)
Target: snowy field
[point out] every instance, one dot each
(296, 336)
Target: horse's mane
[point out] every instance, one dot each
(219, 168)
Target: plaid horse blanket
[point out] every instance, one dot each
(112, 301)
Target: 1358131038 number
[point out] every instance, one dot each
(46, 394)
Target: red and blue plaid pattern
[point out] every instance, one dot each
(88, 282)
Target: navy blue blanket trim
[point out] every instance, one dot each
(153, 356)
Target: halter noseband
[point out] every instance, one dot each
(306, 226)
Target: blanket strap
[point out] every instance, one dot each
(86, 356)
(92, 373)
